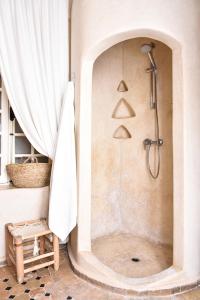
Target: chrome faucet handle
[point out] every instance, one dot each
(147, 142)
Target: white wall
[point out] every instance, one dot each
(18, 205)
(96, 26)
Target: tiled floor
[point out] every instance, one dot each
(148, 257)
(47, 285)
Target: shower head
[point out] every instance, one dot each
(147, 49)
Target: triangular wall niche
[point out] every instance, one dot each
(122, 133)
(123, 110)
(122, 87)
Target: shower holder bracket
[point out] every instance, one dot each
(152, 105)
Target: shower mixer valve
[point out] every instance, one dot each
(149, 142)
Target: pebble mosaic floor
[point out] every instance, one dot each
(45, 284)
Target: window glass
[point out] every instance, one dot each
(36, 152)
(42, 159)
(17, 127)
(20, 160)
(22, 145)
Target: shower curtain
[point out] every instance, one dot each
(34, 67)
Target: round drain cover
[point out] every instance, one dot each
(135, 259)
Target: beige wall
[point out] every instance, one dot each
(124, 196)
(18, 205)
(98, 25)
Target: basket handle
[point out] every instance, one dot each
(32, 159)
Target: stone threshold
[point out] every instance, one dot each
(169, 288)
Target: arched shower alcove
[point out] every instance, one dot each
(131, 213)
(96, 27)
(84, 261)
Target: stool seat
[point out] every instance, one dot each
(29, 230)
(20, 243)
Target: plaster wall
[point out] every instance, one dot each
(98, 25)
(125, 198)
(18, 205)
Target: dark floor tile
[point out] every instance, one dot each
(38, 278)
(42, 285)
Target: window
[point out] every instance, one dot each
(14, 146)
(21, 148)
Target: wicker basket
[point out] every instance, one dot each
(29, 175)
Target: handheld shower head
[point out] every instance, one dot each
(147, 49)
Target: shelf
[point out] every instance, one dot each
(123, 110)
(122, 133)
(122, 87)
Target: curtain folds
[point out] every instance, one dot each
(34, 67)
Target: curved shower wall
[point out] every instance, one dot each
(124, 196)
(97, 26)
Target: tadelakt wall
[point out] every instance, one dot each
(99, 25)
(125, 198)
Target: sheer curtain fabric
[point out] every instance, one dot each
(34, 67)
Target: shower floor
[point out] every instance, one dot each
(117, 251)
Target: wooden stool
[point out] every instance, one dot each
(20, 239)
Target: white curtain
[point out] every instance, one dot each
(34, 67)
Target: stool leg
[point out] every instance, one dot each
(42, 245)
(19, 259)
(8, 244)
(56, 252)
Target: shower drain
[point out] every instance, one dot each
(135, 259)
